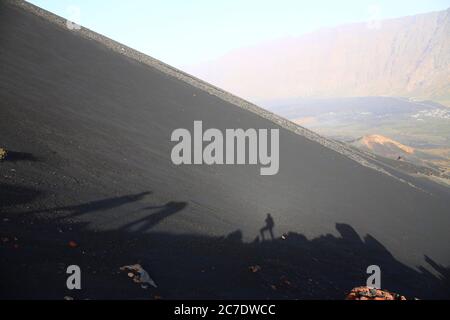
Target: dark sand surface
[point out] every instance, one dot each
(90, 130)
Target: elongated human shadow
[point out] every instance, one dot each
(149, 221)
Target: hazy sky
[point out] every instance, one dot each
(190, 32)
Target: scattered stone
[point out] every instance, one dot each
(3, 154)
(366, 293)
(73, 244)
(139, 275)
(255, 268)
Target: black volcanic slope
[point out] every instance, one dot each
(88, 129)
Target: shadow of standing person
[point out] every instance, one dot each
(152, 220)
(268, 227)
(97, 205)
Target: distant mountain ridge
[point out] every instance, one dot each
(408, 56)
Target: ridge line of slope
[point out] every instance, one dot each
(202, 85)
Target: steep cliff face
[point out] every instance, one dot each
(408, 57)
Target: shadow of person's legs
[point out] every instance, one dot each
(152, 220)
